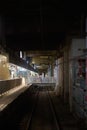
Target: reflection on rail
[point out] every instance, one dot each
(42, 113)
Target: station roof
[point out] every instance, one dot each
(40, 27)
(41, 24)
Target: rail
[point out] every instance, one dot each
(53, 111)
(32, 112)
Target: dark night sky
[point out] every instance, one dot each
(40, 24)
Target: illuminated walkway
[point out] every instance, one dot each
(7, 97)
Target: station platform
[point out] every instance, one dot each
(7, 97)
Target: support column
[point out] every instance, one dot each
(51, 69)
(86, 74)
(59, 88)
(66, 75)
(61, 76)
(52, 72)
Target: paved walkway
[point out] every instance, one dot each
(7, 97)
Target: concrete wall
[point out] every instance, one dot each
(77, 46)
(76, 82)
(6, 85)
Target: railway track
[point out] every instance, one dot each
(43, 115)
(33, 110)
(37, 109)
(15, 113)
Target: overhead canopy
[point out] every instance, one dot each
(41, 24)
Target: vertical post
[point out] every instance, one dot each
(52, 74)
(66, 75)
(86, 56)
(70, 84)
(86, 71)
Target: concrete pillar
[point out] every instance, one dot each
(66, 75)
(70, 85)
(86, 72)
(61, 73)
(52, 73)
(52, 70)
(59, 88)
